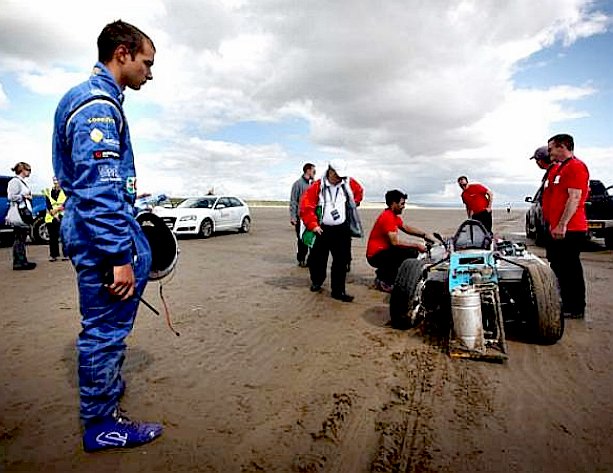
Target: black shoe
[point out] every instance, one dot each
(302, 264)
(315, 288)
(24, 267)
(383, 286)
(343, 297)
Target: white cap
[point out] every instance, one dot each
(339, 166)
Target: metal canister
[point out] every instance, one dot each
(467, 321)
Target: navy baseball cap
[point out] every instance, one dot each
(541, 154)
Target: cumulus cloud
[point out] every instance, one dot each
(199, 165)
(31, 145)
(64, 32)
(410, 96)
(51, 81)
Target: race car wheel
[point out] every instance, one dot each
(402, 299)
(543, 304)
(245, 225)
(206, 228)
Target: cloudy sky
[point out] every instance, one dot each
(410, 93)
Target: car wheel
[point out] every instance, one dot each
(543, 304)
(39, 232)
(539, 235)
(245, 225)
(206, 228)
(402, 299)
(6, 238)
(529, 234)
(608, 239)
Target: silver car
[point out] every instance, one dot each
(205, 215)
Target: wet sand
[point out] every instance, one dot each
(267, 376)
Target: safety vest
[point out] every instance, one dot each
(55, 203)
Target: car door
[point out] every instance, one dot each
(237, 212)
(223, 214)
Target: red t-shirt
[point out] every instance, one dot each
(379, 239)
(571, 174)
(547, 190)
(474, 198)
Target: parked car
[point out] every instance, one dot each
(39, 230)
(598, 210)
(205, 215)
(535, 223)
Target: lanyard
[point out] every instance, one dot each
(335, 197)
(559, 169)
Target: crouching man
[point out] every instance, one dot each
(385, 251)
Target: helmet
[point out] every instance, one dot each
(163, 243)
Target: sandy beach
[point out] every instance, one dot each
(269, 377)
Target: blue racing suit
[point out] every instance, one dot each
(93, 160)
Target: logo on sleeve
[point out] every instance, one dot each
(96, 135)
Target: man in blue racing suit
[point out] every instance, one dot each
(93, 160)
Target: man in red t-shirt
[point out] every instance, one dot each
(478, 200)
(564, 198)
(384, 250)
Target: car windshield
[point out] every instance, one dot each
(198, 203)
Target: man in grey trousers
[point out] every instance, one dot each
(298, 188)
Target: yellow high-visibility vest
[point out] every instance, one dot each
(55, 203)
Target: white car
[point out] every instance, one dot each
(205, 215)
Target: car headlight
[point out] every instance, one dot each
(187, 217)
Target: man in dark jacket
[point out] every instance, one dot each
(299, 187)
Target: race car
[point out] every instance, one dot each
(479, 285)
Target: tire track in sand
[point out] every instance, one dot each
(432, 390)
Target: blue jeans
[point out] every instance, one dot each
(19, 246)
